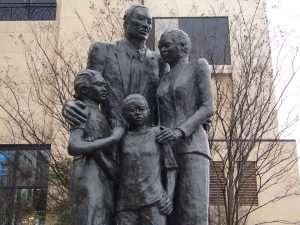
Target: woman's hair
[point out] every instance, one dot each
(83, 79)
(181, 38)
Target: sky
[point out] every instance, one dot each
(284, 29)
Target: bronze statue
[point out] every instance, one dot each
(185, 103)
(180, 101)
(92, 145)
(128, 67)
(141, 197)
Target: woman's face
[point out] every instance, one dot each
(170, 51)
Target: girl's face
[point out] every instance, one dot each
(97, 89)
(170, 51)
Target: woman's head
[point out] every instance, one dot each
(174, 44)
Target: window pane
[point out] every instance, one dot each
(23, 185)
(37, 10)
(209, 37)
(27, 1)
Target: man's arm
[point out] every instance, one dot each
(73, 111)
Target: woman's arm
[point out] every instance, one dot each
(206, 109)
(78, 146)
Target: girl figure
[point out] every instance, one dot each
(185, 103)
(94, 165)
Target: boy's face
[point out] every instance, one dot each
(137, 113)
(97, 89)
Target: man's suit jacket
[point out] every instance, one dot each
(113, 60)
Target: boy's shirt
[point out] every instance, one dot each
(140, 182)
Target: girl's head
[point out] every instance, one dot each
(89, 84)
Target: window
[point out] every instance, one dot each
(17, 10)
(23, 183)
(209, 36)
(247, 186)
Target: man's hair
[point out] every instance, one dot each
(129, 12)
(181, 38)
(83, 79)
(131, 98)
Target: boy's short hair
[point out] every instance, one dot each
(83, 79)
(131, 98)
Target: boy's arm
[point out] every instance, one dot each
(78, 146)
(171, 168)
(165, 205)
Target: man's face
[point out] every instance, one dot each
(98, 89)
(137, 113)
(139, 24)
(169, 49)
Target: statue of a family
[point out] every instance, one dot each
(141, 153)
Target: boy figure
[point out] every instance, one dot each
(92, 144)
(142, 198)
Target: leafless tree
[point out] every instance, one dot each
(31, 104)
(250, 158)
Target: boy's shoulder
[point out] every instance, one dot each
(155, 130)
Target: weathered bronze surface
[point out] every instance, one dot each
(144, 157)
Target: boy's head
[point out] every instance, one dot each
(89, 84)
(135, 110)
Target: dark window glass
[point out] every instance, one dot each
(209, 37)
(18, 10)
(26, 1)
(23, 184)
(247, 186)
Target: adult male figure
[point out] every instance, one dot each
(127, 65)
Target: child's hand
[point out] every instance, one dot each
(165, 205)
(89, 139)
(118, 133)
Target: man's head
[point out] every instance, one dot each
(89, 84)
(135, 110)
(174, 44)
(137, 22)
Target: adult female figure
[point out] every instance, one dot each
(185, 103)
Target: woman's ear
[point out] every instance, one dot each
(84, 90)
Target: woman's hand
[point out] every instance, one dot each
(75, 113)
(167, 135)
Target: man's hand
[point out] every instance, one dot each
(207, 125)
(74, 113)
(118, 133)
(165, 205)
(167, 135)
